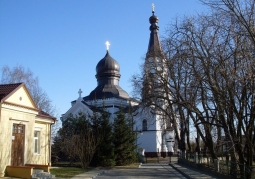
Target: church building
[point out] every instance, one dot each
(149, 127)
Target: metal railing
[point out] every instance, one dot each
(221, 165)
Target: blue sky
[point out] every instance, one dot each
(61, 41)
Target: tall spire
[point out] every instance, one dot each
(154, 60)
(154, 47)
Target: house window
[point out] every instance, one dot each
(144, 125)
(18, 129)
(37, 142)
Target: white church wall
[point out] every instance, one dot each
(147, 141)
(77, 108)
(144, 114)
(160, 123)
(112, 109)
(151, 141)
(159, 140)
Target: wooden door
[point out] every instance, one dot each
(18, 136)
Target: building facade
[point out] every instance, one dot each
(25, 131)
(148, 124)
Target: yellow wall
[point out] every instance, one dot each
(43, 156)
(15, 114)
(21, 97)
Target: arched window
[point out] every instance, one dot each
(144, 125)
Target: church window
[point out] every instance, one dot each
(145, 125)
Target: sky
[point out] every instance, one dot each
(61, 41)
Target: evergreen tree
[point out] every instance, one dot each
(56, 148)
(124, 140)
(77, 140)
(104, 155)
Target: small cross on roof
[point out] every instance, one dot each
(80, 91)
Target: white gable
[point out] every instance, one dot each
(76, 109)
(21, 97)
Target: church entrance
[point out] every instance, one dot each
(18, 138)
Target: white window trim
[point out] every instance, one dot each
(37, 129)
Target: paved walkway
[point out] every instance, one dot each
(90, 174)
(148, 171)
(191, 173)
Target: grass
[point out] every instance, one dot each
(67, 172)
(132, 165)
(155, 159)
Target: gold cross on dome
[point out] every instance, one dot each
(107, 45)
(153, 7)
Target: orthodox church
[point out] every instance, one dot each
(149, 127)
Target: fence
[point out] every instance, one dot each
(222, 165)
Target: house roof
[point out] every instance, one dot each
(45, 115)
(7, 90)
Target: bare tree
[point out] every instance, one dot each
(219, 62)
(241, 13)
(77, 139)
(239, 76)
(210, 79)
(19, 74)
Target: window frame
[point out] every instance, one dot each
(37, 141)
(145, 125)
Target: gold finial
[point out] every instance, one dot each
(153, 7)
(107, 45)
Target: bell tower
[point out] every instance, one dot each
(153, 91)
(154, 65)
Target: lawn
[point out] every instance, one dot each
(156, 159)
(63, 171)
(67, 172)
(132, 165)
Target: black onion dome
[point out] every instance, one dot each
(108, 66)
(153, 19)
(108, 75)
(154, 22)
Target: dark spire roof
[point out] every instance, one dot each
(154, 47)
(108, 75)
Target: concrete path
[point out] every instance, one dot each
(191, 173)
(148, 171)
(90, 174)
